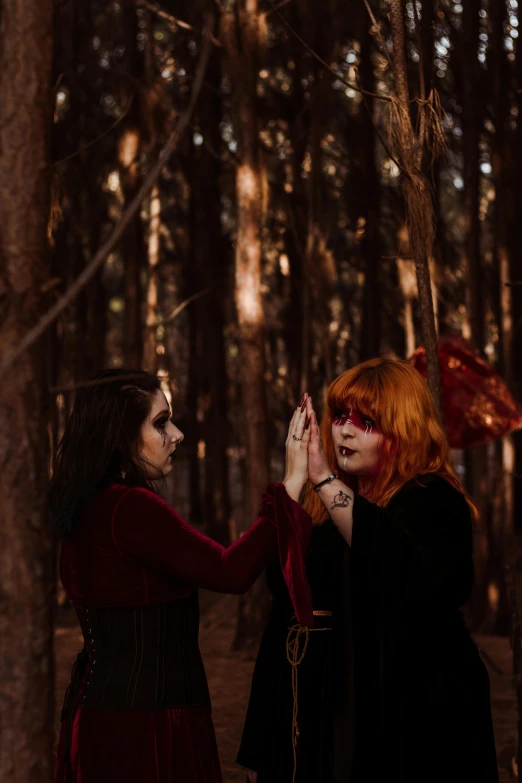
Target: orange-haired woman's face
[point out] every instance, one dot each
(357, 442)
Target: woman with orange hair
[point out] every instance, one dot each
(387, 685)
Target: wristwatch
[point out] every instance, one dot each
(331, 477)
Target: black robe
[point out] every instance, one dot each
(395, 690)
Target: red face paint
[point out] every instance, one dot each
(356, 418)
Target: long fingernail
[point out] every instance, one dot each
(301, 401)
(303, 406)
(307, 423)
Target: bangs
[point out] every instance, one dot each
(358, 392)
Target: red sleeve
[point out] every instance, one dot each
(147, 528)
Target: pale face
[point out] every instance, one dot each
(357, 442)
(159, 438)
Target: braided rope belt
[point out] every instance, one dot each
(296, 646)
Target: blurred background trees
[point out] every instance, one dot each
(274, 252)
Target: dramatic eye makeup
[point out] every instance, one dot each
(161, 425)
(355, 417)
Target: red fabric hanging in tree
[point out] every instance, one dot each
(478, 406)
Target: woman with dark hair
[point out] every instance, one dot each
(385, 684)
(138, 706)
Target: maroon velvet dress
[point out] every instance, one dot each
(138, 707)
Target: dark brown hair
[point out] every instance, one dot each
(100, 442)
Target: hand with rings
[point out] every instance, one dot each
(296, 465)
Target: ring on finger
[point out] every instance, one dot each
(295, 438)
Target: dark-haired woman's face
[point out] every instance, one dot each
(159, 438)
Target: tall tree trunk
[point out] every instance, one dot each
(212, 262)
(369, 194)
(153, 123)
(319, 271)
(503, 521)
(515, 373)
(240, 38)
(419, 207)
(194, 429)
(472, 119)
(26, 556)
(296, 319)
(133, 242)
(150, 355)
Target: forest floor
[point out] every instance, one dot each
(229, 676)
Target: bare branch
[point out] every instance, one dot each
(378, 32)
(376, 127)
(276, 8)
(177, 310)
(173, 21)
(227, 158)
(58, 82)
(88, 273)
(320, 59)
(99, 137)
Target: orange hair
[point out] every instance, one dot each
(396, 396)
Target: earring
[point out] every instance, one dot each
(123, 474)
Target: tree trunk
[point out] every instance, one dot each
(211, 258)
(150, 355)
(471, 124)
(133, 241)
(319, 271)
(240, 38)
(419, 207)
(296, 319)
(515, 181)
(503, 522)
(472, 116)
(26, 561)
(368, 190)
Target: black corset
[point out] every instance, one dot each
(144, 658)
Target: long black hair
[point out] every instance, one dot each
(100, 442)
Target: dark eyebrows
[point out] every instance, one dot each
(160, 414)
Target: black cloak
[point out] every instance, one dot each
(394, 688)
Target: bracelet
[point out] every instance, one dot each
(317, 487)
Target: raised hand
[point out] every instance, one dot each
(318, 467)
(296, 465)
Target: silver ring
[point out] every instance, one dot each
(293, 436)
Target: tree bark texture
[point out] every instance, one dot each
(417, 194)
(369, 196)
(210, 259)
(503, 521)
(472, 119)
(133, 241)
(241, 42)
(472, 122)
(516, 291)
(26, 562)
(240, 37)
